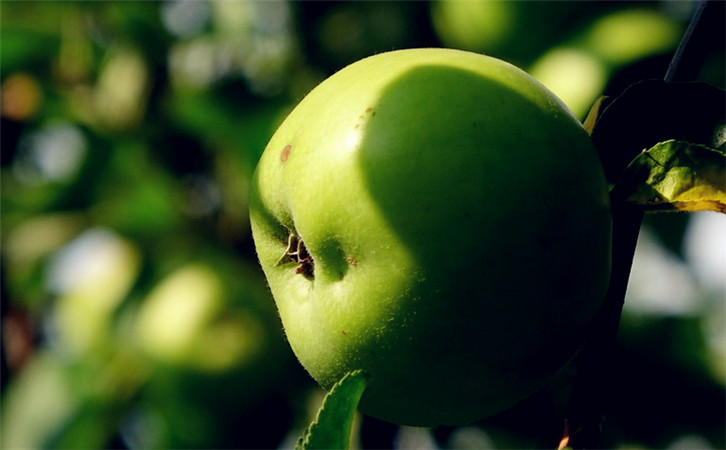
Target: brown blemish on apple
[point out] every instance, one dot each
(343, 332)
(297, 253)
(285, 153)
(351, 260)
(363, 116)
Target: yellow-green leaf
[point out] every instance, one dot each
(595, 112)
(676, 175)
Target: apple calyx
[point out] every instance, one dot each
(297, 253)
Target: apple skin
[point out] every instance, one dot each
(455, 229)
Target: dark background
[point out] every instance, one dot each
(133, 310)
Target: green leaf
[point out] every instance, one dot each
(333, 425)
(676, 175)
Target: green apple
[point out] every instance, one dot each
(440, 220)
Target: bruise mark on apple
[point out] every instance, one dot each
(285, 153)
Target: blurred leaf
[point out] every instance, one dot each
(90, 427)
(242, 122)
(121, 92)
(135, 196)
(625, 36)
(25, 49)
(26, 246)
(579, 70)
(185, 322)
(676, 175)
(58, 404)
(665, 376)
(343, 32)
(37, 404)
(575, 75)
(518, 32)
(474, 26)
(91, 275)
(22, 97)
(332, 427)
(57, 167)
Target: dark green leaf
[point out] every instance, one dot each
(332, 427)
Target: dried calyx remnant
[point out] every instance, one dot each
(297, 253)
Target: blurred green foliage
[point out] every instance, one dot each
(133, 310)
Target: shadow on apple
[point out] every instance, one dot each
(471, 183)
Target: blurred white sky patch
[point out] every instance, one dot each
(53, 153)
(185, 18)
(93, 255)
(251, 39)
(705, 249)
(470, 437)
(690, 441)
(414, 438)
(91, 276)
(660, 283)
